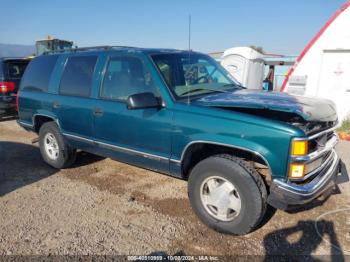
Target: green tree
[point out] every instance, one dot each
(258, 49)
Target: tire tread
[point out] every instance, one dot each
(68, 153)
(257, 178)
(253, 180)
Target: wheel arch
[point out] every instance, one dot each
(40, 118)
(196, 151)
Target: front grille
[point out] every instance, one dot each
(320, 141)
(316, 127)
(326, 157)
(313, 165)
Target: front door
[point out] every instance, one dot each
(140, 136)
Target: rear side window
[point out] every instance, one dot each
(77, 76)
(37, 75)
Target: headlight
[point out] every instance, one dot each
(296, 171)
(300, 147)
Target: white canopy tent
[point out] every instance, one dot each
(323, 68)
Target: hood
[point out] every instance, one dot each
(310, 109)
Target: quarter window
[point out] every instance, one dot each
(126, 76)
(38, 73)
(77, 76)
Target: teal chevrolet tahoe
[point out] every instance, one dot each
(181, 114)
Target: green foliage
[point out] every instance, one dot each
(345, 127)
(258, 49)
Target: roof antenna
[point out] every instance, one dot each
(189, 33)
(189, 54)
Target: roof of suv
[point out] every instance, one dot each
(117, 48)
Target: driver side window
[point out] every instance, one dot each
(125, 76)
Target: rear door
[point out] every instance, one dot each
(73, 104)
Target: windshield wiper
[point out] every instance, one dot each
(202, 89)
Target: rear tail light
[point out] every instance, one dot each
(6, 87)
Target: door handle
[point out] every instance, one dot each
(98, 112)
(55, 104)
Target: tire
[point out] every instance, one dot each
(223, 181)
(61, 154)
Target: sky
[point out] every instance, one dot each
(279, 26)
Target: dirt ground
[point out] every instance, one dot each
(101, 206)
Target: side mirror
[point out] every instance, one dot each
(142, 101)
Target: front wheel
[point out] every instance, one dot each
(227, 194)
(54, 150)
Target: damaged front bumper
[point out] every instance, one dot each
(286, 193)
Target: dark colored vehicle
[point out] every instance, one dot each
(11, 71)
(180, 113)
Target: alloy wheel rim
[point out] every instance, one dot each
(220, 198)
(51, 146)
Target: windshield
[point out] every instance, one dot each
(193, 74)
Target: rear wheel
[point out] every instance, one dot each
(54, 150)
(227, 194)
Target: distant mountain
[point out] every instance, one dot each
(16, 50)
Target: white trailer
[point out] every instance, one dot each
(323, 68)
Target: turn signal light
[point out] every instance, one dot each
(296, 171)
(299, 148)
